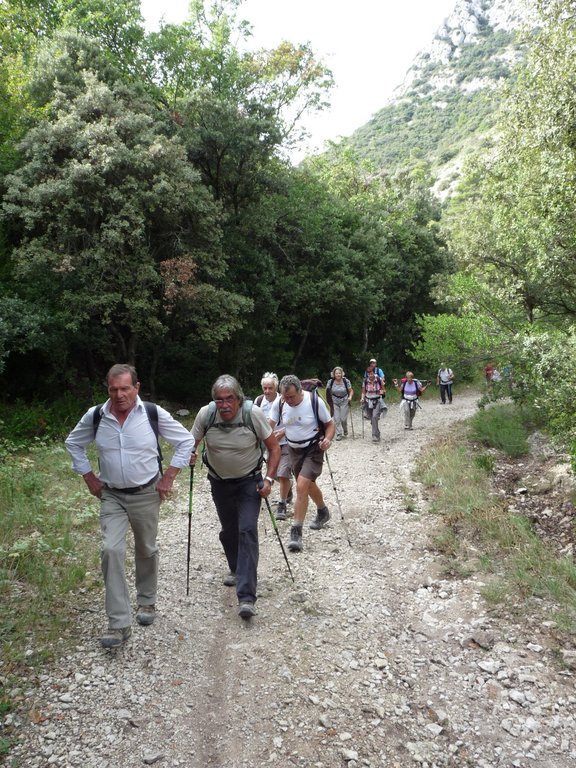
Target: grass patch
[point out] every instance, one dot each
(476, 524)
(501, 427)
(45, 551)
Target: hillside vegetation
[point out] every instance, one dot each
(447, 106)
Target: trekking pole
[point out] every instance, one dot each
(260, 484)
(362, 418)
(189, 529)
(352, 424)
(337, 499)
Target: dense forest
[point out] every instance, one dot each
(150, 214)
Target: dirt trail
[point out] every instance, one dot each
(369, 659)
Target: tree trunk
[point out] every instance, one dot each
(302, 344)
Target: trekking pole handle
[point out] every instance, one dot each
(260, 485)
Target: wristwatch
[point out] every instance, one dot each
(270, 480)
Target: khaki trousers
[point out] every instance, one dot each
(118, 512)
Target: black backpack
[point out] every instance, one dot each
(151, 412)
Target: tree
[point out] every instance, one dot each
(114, 227)
(512, 226)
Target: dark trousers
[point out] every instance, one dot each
(446, 389)
(238, 507)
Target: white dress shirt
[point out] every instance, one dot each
(128, 453)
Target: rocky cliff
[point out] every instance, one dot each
(447, 103)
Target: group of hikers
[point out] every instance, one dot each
(287, 430)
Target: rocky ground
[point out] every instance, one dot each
(370, 658)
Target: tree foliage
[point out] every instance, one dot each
(150, 213)
(512, 226)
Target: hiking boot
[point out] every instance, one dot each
(246, 610)
(295, 543)
(146, 614)
(114, 638)
(322, 517)
(230, 579)
(281, 511)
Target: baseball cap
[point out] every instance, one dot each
(372, 359)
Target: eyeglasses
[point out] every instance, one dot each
(223, 400)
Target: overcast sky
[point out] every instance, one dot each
(368, 44)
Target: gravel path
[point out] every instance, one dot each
(370, 659)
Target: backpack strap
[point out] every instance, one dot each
(97, 417)
(258, 400)
(316, 408)
(152, 413)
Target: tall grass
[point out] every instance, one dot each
(501, 427)
(43, 552)
(476, 524)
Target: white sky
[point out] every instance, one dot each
(368, 44)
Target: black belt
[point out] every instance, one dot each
(136, 488)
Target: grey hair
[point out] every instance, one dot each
(290, 381)
(119, 369)
(269, 376)
(337, 368)
(228, 382)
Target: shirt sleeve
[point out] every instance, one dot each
(274, 413)
(178, 436)
(78, 440)
(263, 429)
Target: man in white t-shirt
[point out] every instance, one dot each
(444, 380)
(309, 430)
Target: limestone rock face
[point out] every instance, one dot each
(466, 25)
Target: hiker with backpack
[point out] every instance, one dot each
(339, 394)
(444, 379)
(372, 401)
(309, 429)
(235, 434)
(373, 366)
(410, 389)
(270, 394)
(130, 486)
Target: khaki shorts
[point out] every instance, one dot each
(307, 462)
(284, 465)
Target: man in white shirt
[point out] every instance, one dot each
(130, 488)
(444, 379)
(309, 435)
